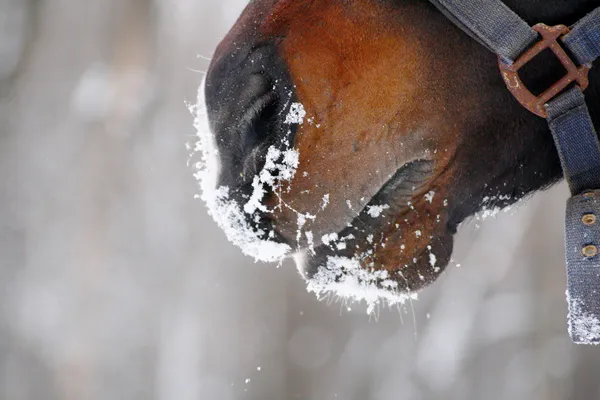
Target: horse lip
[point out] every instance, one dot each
(417, 170)
(394, 196)
(401, 186)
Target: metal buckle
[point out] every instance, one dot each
(510, 73)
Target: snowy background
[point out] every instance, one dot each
(115, 284)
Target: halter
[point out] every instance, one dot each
(563, 105)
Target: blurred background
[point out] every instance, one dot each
(115, 284)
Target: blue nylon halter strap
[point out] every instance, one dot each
(499, 29)
(576, 139)
(492, 24)
(584, 38)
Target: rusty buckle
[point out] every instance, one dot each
(510, 73)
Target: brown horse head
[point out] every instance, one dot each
(361, 133)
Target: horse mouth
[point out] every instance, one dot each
(345, 263)
(255, 161)
(345, 260)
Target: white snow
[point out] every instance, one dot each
(328, 238)
(226, 212)
(432, 260)
(344, 277)
(375, 211)
(325, 201)
(296, 114)
(582, 325)
(429, 196)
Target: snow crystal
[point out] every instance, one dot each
(296, 114)
(325, 201)
(489, 210)
(254, 202)
(429, 196)
(311, 241)
(488, 213)
(375, 211)
(328, 238)
(432, 260)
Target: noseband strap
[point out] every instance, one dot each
(498, 28)
(488, 22)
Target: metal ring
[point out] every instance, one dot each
(590, 251)
(589, 219)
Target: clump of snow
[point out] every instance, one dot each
(375, 211)
(296, 114)
(232, 220)
(346, 278)
(228, 214)
(584, 327)
(429, 196)
(328, 238)
(491, 211)
(325, 202)
(432, 260)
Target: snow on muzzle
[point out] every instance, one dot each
(231, 216)
(342, 277)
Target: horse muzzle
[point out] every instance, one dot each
(247, 96)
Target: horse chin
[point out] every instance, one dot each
(355, 266)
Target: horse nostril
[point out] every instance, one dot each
(247, 93)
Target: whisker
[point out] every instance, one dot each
(412, 307)
(196, 70)
(398, 307)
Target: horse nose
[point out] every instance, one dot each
(231, 91)
(246, 93)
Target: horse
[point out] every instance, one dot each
(359, 134)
